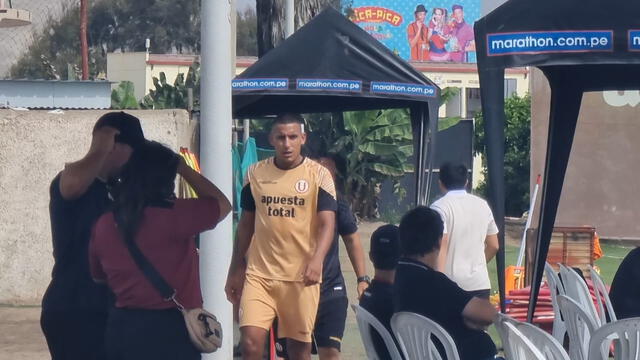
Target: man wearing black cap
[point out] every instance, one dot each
(418, 36)
(74, 308)
(378, 298)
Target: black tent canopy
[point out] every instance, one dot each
(331, 65)
(580, 45)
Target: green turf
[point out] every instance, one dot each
(511, 256)
(611, 259)
(608, 264)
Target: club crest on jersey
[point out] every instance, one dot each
(302, 186)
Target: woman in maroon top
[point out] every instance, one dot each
(143, 325)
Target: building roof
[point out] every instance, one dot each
(246, 61)
(55, 94)
(172, 59)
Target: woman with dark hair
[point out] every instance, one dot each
(145, 212)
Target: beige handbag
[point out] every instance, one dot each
(204, 329)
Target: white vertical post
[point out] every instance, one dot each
(215, 152)
(289, 16)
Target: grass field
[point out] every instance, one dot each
(608, 264)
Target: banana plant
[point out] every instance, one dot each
(377, 146)
(123, 97)
(167, 96)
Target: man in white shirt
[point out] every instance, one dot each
(470, 238)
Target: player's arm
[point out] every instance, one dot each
(491, 246)
(442, 255)
(327, 207)
(347, 226)
(478, 313)
(324, 236)
(77, 176)
(244, 234)
(356, 255)
(441, 262)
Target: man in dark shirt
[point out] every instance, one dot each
(378, 298)
(74, 308)
(625, 291)
(418, 288)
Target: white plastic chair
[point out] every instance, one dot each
(501, 319)
(626, 336)
(414, 331)
(602, 298)
(365, 322)
(580, 326)
(556, 288)
(522, 348)
(550, 348)
(577, 289)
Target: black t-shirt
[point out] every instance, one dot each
(625, 288)
(71, 285)
(422, 290)
(378, 300)
(332, 280)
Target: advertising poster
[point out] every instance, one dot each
(422, 31)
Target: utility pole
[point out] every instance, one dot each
(215, 152)
(289, 16)
(84, 45)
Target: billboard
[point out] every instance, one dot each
(423, 31)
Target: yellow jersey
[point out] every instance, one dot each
(286, 205)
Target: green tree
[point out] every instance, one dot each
(124, 25)
(447, 94)
(123, 97)
(172, 26)
(53, 50)
(517, 147)
(271, 20)
(246, 33)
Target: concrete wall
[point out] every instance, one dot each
(601, 186)
(34, 147)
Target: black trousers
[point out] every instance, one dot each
(148, 335)
(74, 334)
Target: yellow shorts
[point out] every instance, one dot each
(294, 304)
